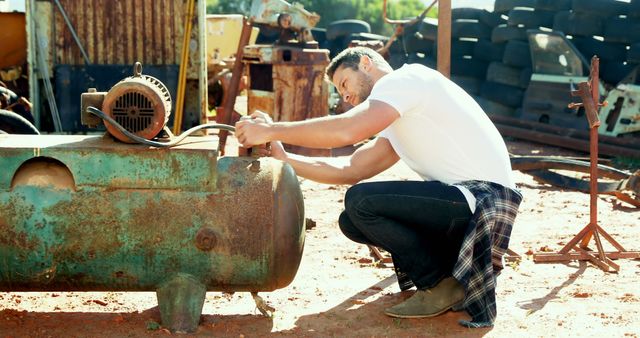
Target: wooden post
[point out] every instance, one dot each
(444, 37)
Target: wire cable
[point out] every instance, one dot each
(99, 113)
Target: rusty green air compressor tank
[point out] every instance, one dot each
(90, 213)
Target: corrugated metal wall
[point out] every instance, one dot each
(121, 31)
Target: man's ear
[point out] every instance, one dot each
(365, 62)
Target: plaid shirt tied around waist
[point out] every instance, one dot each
(485, 243)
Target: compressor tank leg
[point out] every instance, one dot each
(180, 300)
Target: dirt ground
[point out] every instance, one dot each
(339, 291)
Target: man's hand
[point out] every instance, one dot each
(25, 103)
(254, 130)
(4, 100)
(277, 151)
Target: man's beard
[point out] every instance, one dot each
(365, 87)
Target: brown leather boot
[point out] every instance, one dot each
(430, 302)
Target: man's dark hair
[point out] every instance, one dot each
(350, 58)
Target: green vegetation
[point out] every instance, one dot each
(332, 10)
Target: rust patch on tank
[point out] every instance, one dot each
(12, 227)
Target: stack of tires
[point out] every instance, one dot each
(607, 28)
(490, 54)
(633, 13)
(339, 34)
(471, 47)
(508, 76)
(419, 42)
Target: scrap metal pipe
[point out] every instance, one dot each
(86, 213)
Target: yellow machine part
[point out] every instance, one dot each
(223, 34)
(13, 37)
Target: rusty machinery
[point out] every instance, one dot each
(140, 103)
(136, 110)
(90, 213)
(286, 78)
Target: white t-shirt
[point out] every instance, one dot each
(442, 133)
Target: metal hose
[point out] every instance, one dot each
(97, 112)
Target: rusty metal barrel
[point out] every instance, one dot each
(86, 213)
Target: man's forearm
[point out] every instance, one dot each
(359, 123)
(329, 170)
(323, 132)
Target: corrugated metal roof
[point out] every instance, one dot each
(121, 32)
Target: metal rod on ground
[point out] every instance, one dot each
(234, 85)
(73, 32)
(563, 141)
(184, 63)
(571, 133)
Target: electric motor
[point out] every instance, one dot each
(139, 103)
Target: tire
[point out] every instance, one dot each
(525, 77)
(486, 50)
(483, 16)
(603, 8)
(319, 34)
(633, 54)
(506, 95)
(336, 46)
(471, 85)
(614, 72)
(341, 28)
(578, 24)
(267, 34)
(500, 73)
(13, 123)
(530, 18)
(461, 48)
(397, 46)
(422, 59)
(470, 29)
(517, 54)
(397, 60)
(369, 37)
(608, 51)
(623, 30)
(633, 11)
(428, 29)
(466, 13)
(504, 6)
(414, 42)
(491, 19)
(495, 108)
(469, 67)
(553, 5)
(504, 33)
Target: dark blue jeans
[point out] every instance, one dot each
(421, 224)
